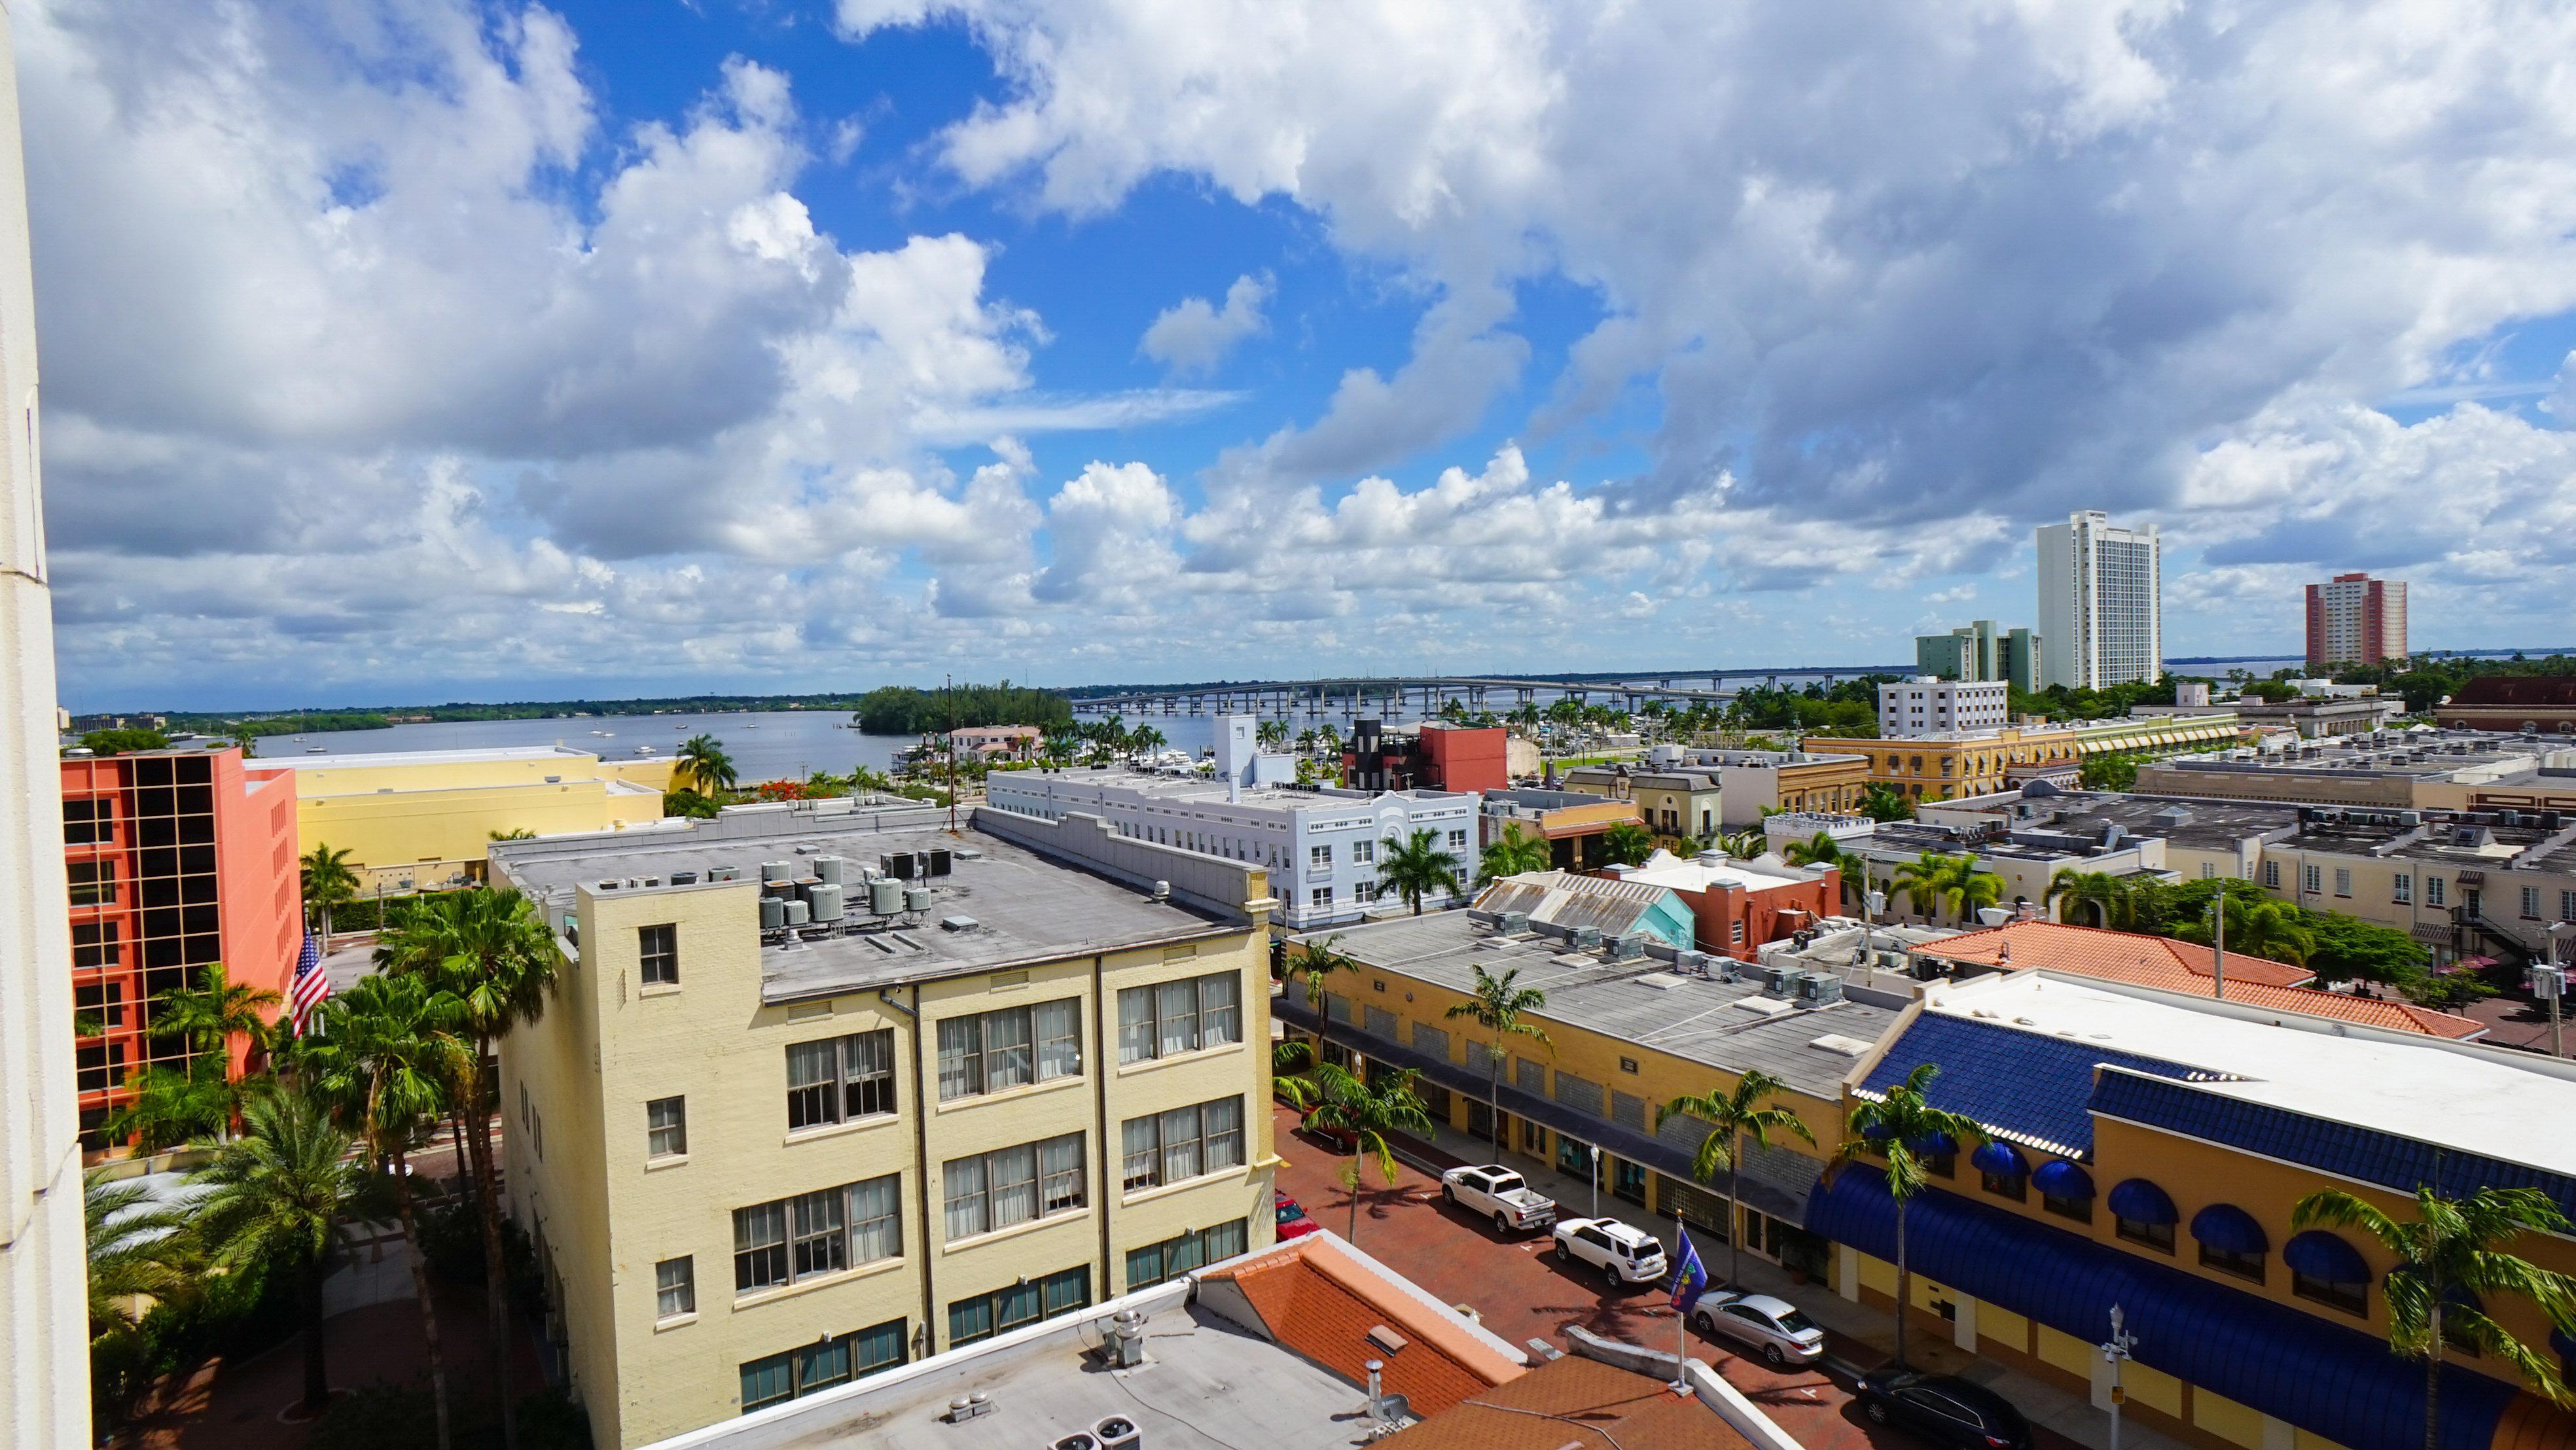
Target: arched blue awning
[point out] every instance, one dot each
(2139, 1201)
(1934, 1145)
(2001, 1159)
(2321, 1255)
(2062, 1179)
(2559, 1340)
(2230, 1230)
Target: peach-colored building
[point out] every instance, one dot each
(176, 858)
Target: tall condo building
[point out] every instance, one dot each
(1980, 652)
(2100, 602)
(44, 1328)
(2354, 619)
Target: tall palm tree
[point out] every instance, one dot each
(1904, 1128)
(709, 769)
(1627, 843)
(1923, 880)
(1512, 854)
(389, 1067)
(137, 1250)
(171, 1106)
(1144, 740)
(2109, 899)
(1318, 961)
(1416, 867)
(1338, 1101)
(1496, 1004)
(220, 1010)
(1968, 889)
(329, 883)
(275, 1200)
(1272, 732)
(2268, 929)
(490, 953)
(2449, 1246)
(1751, 1111)
(1822, 849)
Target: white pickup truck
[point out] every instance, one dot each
(1492, 1190)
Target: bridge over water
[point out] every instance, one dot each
(1399, 695)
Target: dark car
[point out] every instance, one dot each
(1944, 1409)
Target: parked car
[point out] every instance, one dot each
(1293, 1222)
(1343, 1140)
(1943, 1409)
(1495, 1191)
(1773, 1327)
(1623, 1254)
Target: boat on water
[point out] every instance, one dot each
(643, 749)
(317, 749)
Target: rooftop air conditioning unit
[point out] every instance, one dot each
(1512, 923)
(1587, 937)
(611, 885)
(1818, 989)
(1626, 946)
(684, 878)
(1775, 980)
(1118, 1433)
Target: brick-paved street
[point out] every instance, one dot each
(1522, 1292)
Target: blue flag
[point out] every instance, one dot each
(1690, 1276)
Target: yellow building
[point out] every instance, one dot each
(758, 1159)
(1955, 763)
(422, 819)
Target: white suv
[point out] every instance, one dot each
(1624, 1255)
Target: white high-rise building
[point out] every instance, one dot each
(1929, 705)
(2100, 602)
(44, 1321)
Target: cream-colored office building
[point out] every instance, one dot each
(771, 1138)
(421, 820)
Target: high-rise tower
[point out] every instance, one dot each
(2100, 602)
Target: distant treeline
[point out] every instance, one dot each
(299, 724)
(902, 710)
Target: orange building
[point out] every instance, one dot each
(1738, 908)
(176, 858)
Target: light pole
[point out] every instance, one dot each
(2115, 1350)
(1595, 1150)
(2549, 982)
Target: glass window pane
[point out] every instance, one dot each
(879, 1348)
(1142, 1148)
(767, 1382)
(1222, 1124)
(970, 1320)
(759, 1246)
(1015, 1184)
(867, 1059)
(813, 1093)
(1181, 1144)
(1135, 1024)
(965, 1179)
(1144, 1267)
(822, 1246)
(1007, 1062)
(1067, 1291)
(1220, 1009)
(1020, 1304)
(1176, 1005)
(675, 1288)
(961, 1068)
(1227, 1240)
(876, 1219)
(822, 1366)
(1059, 1029)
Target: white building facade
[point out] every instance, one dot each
(2101, 606)
(1926, 705)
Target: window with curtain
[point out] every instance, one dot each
(1014, 1175)
(1182, 1144)
(1059, 1034)
(840, 1079)
(989, 1052)
(788, 1240)
(1176, 1018)
(1170, 1018)
(876, 1219)
(1060, 1186)
(993, 1191)
(1008, 1050)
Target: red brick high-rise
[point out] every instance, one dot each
(2354, 619)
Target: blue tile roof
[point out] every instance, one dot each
(2333, 1381)
(2028, 1087)
(2344, 1149)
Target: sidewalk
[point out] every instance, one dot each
(1860, 1337)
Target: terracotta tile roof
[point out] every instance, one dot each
(2089, 950)
(1318, 1298)
(1573, 1402)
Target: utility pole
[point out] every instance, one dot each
(952, 752)
(2218, 939)
(2116, 1351)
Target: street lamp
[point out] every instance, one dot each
(1595, 1150)
(2115, 1351)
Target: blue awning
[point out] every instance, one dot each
(1934, 1145)
(2321, 1255)
(2001, 1159)
(2139, 1201)
(2061, 1179)
(2559, 1340)
(2230, 1230)
(2334, 1381)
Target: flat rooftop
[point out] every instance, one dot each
(2477, 1099)
(1911, 838)
(1667, 870)
(1023, 907)
(2204, 824)
(1158, 786)
(2417, 752)
(380, 759)
(1641, 1001)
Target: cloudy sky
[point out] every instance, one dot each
(425, 349)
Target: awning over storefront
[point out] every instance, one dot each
(2062, 1179)
(2001, 1159)
(2332, 1381)
(2321, 1255)
(2230, 1230)
(2139, 1201)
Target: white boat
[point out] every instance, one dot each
(317, 749)
(599, 732)
(643, 749)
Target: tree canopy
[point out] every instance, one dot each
(903, 710)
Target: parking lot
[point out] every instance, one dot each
(1522, 1291)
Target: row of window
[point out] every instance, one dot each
(787, 1240)
(1170, 1259)
(1170, 1018)
(1182, 1143)
(990, 1052)
(810, 1368)
(2401, 889)
(988, 1192)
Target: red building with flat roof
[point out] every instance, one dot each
(177, 858)
(1440, 756)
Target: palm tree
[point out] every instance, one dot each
(1883, 802)
(1337, 1101)
(1969, 889)
(1512, 854)
(1416, 867)
(1744, 845)
(491, 954)
(137, 1250)
(1496, 1005)
(1627, 843)
(390, 1065)
(211, 1017)
(1905, 1129)
(1923, 880)
(1318, 961)
(2451, 1246)
(1822, 849)
(1144, 740)
(1748, 1112)
(171, 1106)
(275, 1200)
(2266, 929)
(328, 883)
(2112, 902)
(709, 769)
(1272, 732)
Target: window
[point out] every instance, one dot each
(1319, 855)
(2005, 1185)
(86, 823)
(93, 883)
(992, 1191)
(812, 1367)
(2312, 878)
(990, 1052)
(1458, 839)
(104, 1001)
(2401, 888)
(666, 1128)
(2078, 1209)
(2531, 903)
(94, 944)
(2350, 1298)
(840, 1080)
(1735, 933)
(675, 1288)
(1321, 896)
(1169, 1018)
(1181, 1144)
(1170, 1259)
(787, 1240)
(2343, 881)
(2243, 1266)
(2272, 875)
(660, 947)
(1007, 1309)
(1362, 853)
(2435, 889)
(2158, 1236)
(2567, 906)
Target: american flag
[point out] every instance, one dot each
(312, 985)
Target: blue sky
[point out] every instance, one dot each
(419, 349)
